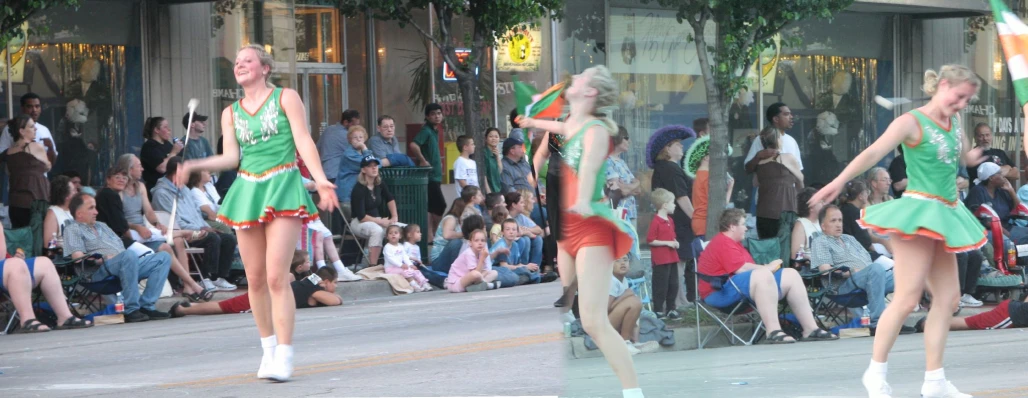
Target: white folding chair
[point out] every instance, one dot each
(195, 254)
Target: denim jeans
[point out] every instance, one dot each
(218, 253)
(533, 277)
(534, 248)
(447, 256)
(876, 281)
(130, 269)
(399, 160)
(506, 277)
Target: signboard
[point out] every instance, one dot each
(768, 68)
(645, 41)
(19, 47)
(462, 57)
(520, 50)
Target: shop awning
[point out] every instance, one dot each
(924, 9)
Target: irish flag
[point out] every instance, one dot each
(1013, 35)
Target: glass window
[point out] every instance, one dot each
(88, 71)
(403, 75)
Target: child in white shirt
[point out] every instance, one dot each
(397, 261)
(465, 170)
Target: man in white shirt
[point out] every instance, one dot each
(780, 118)
(31, 105)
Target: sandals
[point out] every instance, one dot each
(779, 337)
(32, 326)
(174, 307)
(75, 323)
(820, 335)
(204, 296)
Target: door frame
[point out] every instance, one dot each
(303, 72)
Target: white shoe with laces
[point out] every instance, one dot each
(941, 390)
(969, 301)
(876, 386)
(345, 275)
(631, 348)
(280, 370)
(222, 284)
(264, 372)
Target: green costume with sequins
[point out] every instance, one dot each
(930, 206)
(269, 183)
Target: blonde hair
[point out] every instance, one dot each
(606, 96)
(952, 73)
(769, 138)
(356, 129)
(660, 197)
(526, 193)
(264, 57)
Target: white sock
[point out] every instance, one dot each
(935, 375)
(633, 393)
(878, 368)
(284, 352)
(268, 345)
(338, 264)
(320, 263)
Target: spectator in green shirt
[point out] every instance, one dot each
(425, 149)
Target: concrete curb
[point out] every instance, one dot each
(351, 292)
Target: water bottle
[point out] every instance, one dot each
(865, 317)
(51, 248)
(119, 305)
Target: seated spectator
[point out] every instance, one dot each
(850, 263)
(531, 234)
(625, 308)
(87, 236)
(855, 197)
(969, 270)
(19, 276)
(218, 248)
(1008, 314)
(807, 225)
(469, 272)
(492, 201)
(995, 190)
(517, 173)
(536, 213)
(448, 241)
(412, 238)
(499, 215)
(352, 163)
(306, 293)
(517, 258)
(57, 215)
(386, 147)
(369, 194)
(110, 211)
(763, 284)
(879, 181)
(198, 184)
(473, 200)
(398, 261)
(198, 147)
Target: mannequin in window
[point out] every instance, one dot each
(846, 107)
(97, 97)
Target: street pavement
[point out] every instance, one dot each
(496, 343)
(987, 363)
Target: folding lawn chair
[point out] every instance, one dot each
(725, 317)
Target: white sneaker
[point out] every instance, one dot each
(222, 284)
(280, 370)
(207, 284)
(345, 275)
(941, 390)
(969, 301)
(876, 386)
(647, 347)
(264, 372)
(631, 348)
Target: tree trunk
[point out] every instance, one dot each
(718, 130)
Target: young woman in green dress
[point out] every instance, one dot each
(267, 204)
(927, 225)
(592, 237)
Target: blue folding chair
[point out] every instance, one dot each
(723, 316)
(639, 287)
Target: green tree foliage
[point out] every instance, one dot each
(14, 13)
(745, 28)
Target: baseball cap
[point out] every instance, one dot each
(369, 160)
(196, 118)
(511, 142)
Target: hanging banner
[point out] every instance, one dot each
(652, 42)
(520, 50)
(19, 47)
(766, 67)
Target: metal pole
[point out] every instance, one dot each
(431, 54)
(760, 92)
(496, 104)
(554, 73)
(372, 69)
(10, 94)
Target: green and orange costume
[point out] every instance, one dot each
(930, 206)
(269, 183)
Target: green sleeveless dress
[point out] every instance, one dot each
(930, 206)
(603, 227)
(268, 184)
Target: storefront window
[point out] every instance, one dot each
(403, 75)
(87, 69)
(525, 55)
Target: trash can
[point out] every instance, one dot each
(409, 186)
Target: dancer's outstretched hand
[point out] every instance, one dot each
(975, 157)
(327, 193)
(182, 174)
(826, 194)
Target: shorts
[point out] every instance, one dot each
(594, 231)
(436, 200)
(737, 287)
(1008, 314)
(453, 286)
(235, 305)
(31, 262)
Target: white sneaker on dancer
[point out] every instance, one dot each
(876, 385)
(264, 372)
(941, 389)
(632, 393)
(268, 345)
(281, 368)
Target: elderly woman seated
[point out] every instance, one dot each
(762, 284)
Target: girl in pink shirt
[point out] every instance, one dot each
(471, 270)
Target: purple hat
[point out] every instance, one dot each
(664, 136)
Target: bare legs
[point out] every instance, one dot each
(373, 253)
(18, 283)
(181, 270)
(473, 277)
(764, 292)
(624, 316)
(593, 293)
